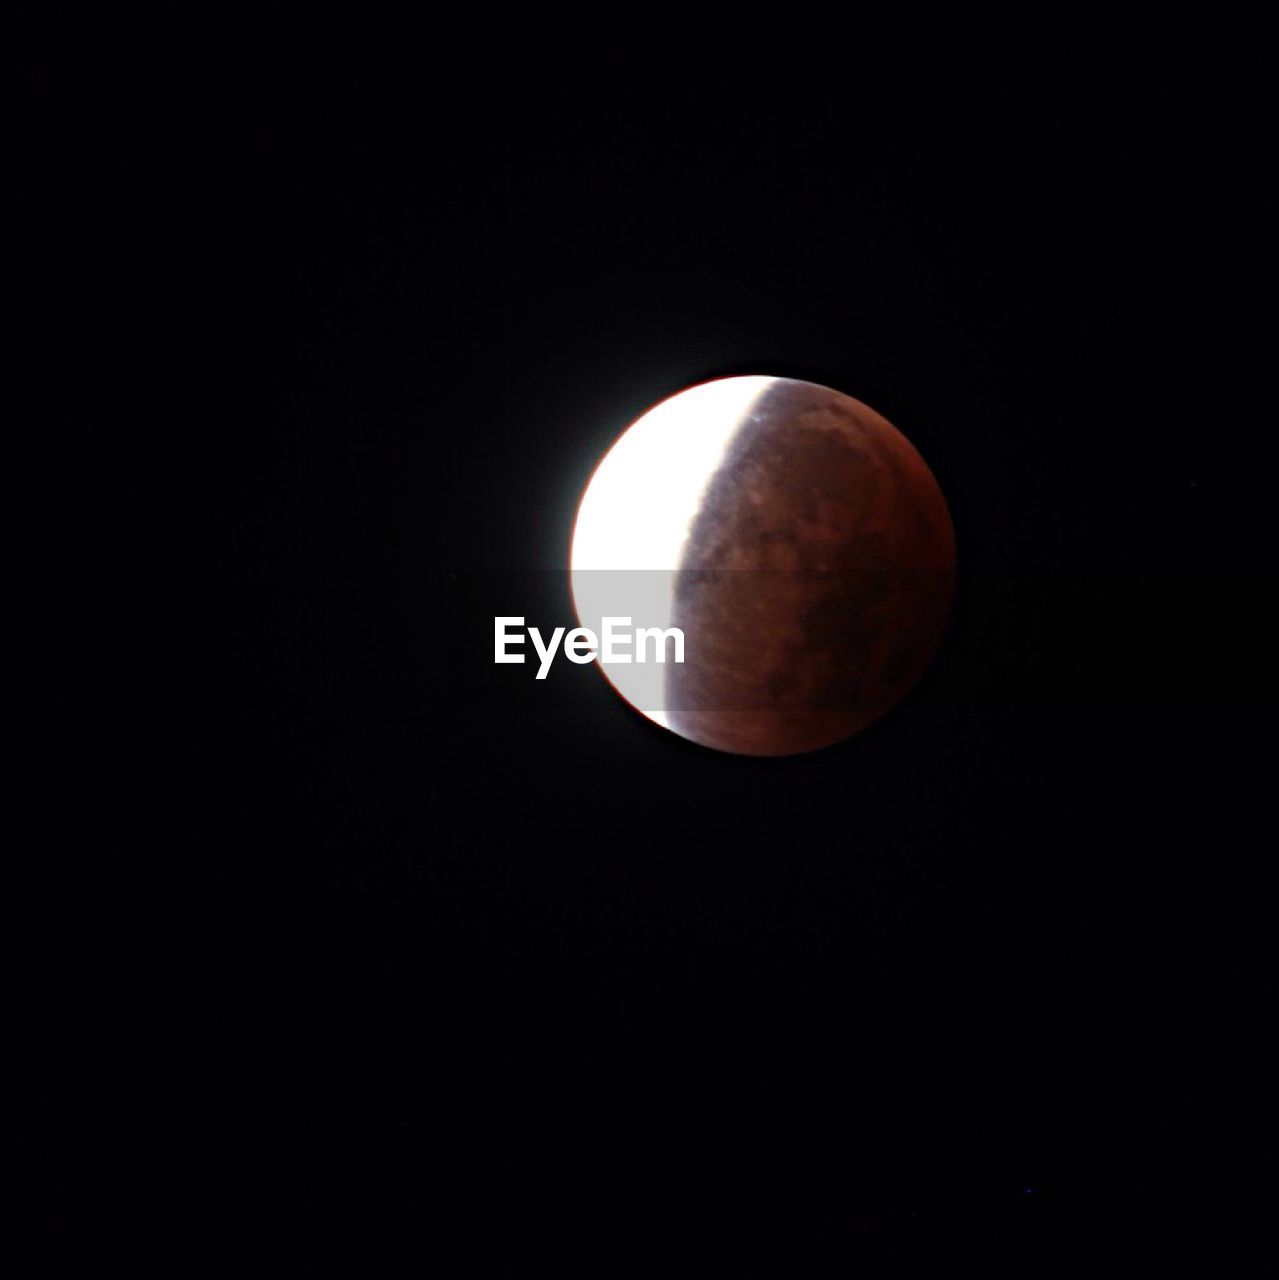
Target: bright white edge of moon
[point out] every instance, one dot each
(634, 519)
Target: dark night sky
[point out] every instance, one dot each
(343, 938)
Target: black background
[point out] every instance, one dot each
(340, 943)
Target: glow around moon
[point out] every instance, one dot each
(795, 536)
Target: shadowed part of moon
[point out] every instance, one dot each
(816, 580)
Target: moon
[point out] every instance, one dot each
(796, 538)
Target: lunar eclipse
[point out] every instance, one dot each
(796, 538)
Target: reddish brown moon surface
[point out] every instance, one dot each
(814, 576)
